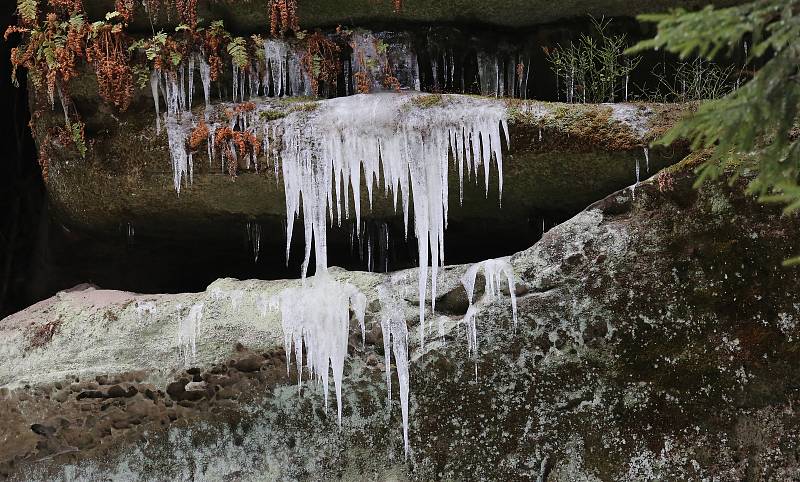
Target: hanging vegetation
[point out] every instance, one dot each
(107, 52)
(283, 17)
(321, 61)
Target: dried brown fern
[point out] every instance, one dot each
(321, 60)
(283, 17)
(107, 53)
(246, 144)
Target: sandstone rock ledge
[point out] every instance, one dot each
(656, 341)
(561, 158)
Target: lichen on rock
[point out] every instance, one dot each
(647, 347)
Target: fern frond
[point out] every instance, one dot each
(237, 49)
(27, 10)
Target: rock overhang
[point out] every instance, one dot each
(250, 17)
(560, 158)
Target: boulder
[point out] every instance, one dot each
(656, 339)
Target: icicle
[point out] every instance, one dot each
(205, 78)
(395, 340)
(494, 270)
(154, 81)
(254, 238)
(626, 87)
(489, 74)
(321, 155)
(317, 316)
(188, 329)
(235, 81)
(347, 135)
(176, 136)
(63, 102)
(636, 171)
(358, 302)
(386, 249)
(284, 69)
(181, 91)
(472, 332)
(190, 96)
(647, 158)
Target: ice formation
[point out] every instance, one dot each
(174, 87)
(317, 315)
(188, 329)
(324, 152)
(263, 305)
(320, 154)
(253, 230)
(395, 341)
(379, 57)
(284, 74)
(146, 309)
(503, 76)
(235, 296)
(636, 173)
(494, 271)
(489, 74)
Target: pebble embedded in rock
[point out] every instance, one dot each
(196, 386)
(116, 391)
(249, 364)
(176, 388)
(43, 430)
(90, 394)
(61, 396)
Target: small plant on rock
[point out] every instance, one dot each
(593, 69)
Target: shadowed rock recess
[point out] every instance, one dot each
(656, 340)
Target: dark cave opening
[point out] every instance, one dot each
(23, 217)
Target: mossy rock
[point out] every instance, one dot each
(561, 158)
(656, 340)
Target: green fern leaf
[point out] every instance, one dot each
(27, 10)
(237, 49)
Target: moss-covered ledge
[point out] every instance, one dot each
(561, 158)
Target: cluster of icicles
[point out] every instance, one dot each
(320, 155)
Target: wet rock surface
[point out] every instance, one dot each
(656, 340)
